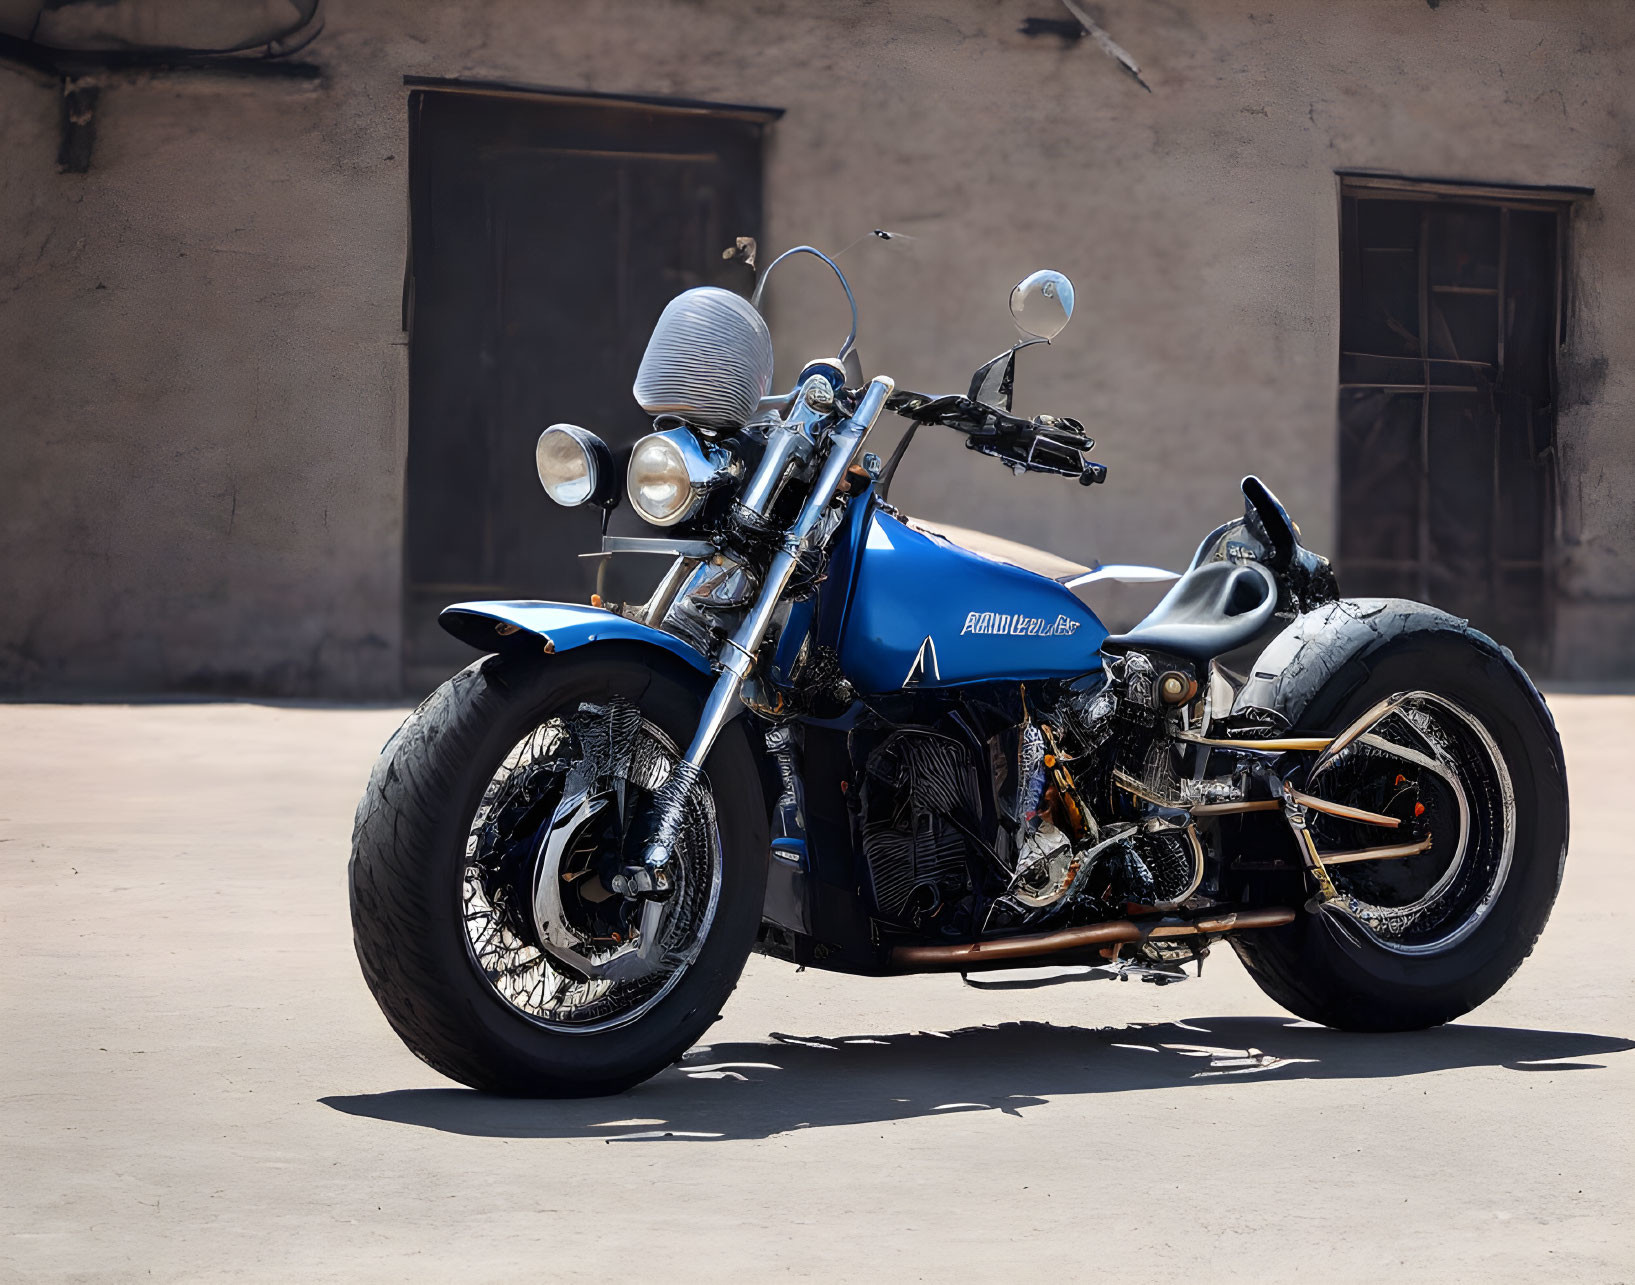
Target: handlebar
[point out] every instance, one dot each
(1045, 444)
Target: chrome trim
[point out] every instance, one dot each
(1131, 785)
(738, 660)
(1045, 283)
(556, 938)
(1361, 733)
(924, 667)
(1191, 832)
(1124, 573)
(707, 467)
(1220, 694)
(597, 457)
(789, 444)
(624, 964)
(664, 593)
(786, 446)
(1387, 706)
(654, 544)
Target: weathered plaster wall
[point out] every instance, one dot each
(202, 391)
(200, 474)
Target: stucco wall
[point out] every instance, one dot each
(200, 472)
(204, 383)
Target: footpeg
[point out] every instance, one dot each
(1148, 971)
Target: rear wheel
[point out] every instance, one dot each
(484, 875)
(1459, 749)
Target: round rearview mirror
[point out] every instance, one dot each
(1042, 304)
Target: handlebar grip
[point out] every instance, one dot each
(1060, 428)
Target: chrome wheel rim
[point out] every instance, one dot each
(611, 754)
(1440, 757)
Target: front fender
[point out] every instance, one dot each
(554, 627)
(1329, 651)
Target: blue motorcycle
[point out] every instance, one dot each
(855, 741)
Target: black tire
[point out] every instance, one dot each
(407, 867)
(1321, 971)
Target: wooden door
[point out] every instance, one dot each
(546, 236)
(1449, 326)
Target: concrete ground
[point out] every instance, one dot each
(196, 1083)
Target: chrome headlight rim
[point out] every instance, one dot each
(694, 469)
(598, 482)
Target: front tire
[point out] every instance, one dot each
(410, 879)
(1330, 968)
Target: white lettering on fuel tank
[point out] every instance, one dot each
(1018, 626)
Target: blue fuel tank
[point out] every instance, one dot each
(926, 613)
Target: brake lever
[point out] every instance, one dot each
(1069, 460)
(952, 410)
(905, 401)
(1069, 432)
(1008, 438)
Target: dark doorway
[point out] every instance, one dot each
(547, 232)
(1450, 318)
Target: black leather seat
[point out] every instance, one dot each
(1211, 610)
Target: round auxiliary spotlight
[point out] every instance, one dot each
(576, 467)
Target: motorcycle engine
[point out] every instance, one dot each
(1081, 845)
(916, 858)
(1121, 758)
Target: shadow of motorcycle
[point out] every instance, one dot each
(758, 1090)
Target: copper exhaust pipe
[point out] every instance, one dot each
(996, 954)
(1231, 921)
(1279, 745)
(1006, 951)
(1242, 805)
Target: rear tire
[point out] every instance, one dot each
(409, 858)
(1323, 967)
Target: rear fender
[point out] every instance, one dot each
(552, 627)
(1308, 670)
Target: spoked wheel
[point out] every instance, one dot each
(489, 910)
(1448, 738)
(559, 821)
(1419, 758)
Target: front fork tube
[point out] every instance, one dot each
(737, 658)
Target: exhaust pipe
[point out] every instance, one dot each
(1007, 952)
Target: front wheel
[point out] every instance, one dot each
(485, 866)
(1456, 745)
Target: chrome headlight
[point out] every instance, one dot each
(671, 473)
(574, 466)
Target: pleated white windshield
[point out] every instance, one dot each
(709, 360)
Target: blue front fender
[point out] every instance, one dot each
(554, 627)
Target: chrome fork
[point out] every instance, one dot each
(737, 659)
